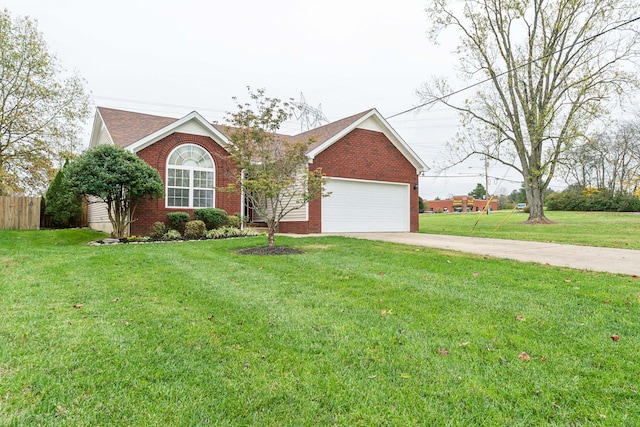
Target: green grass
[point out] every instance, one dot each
(613, 230)
(351, 332)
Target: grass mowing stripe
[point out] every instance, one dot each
(351, 332)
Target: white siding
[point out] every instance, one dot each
(98, 216)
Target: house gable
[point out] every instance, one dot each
(371, 120)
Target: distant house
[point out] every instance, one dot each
(460, 204)
(372, 173)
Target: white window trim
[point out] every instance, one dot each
(191, 187)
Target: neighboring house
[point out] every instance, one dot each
(372, 174)
(460, 204)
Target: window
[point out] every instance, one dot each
(190, 178)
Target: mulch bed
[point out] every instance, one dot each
(266, 250)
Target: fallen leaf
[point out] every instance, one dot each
(383, 312)
(521, 318)
(524, 356)
(381, 273)
(615, 337)
(443, 352)
(448, 261)
(476, 274)
(635, 276)
(555, 405)
(78, 305)
(115, 300)
(567, 281)
(371, 376)
(543, 359)
(464, 344)
(405, 375)
(607, 302)
(210, 317)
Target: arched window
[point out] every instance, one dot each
(190, 178)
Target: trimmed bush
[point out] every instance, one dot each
(157, 230)
(233, 221)
(212, 217)
(194, 229)
(172, 235)
(177, 220)
(62, 204)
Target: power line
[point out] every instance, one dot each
(432, 101)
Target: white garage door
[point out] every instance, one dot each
(355, 206)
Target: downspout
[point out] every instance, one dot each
(242, 199)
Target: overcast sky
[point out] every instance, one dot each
(170, 57)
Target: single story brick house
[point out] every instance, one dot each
(372, 174)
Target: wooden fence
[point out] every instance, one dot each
(19, 213)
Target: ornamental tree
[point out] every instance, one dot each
(42, 109)
(114, 176)
(272, 169)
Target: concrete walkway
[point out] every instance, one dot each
(621, 261)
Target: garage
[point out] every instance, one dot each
(365, 206)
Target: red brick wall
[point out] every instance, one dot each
(150, 211)
(361, 154)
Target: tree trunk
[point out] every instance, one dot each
(271, 233)
(535, 199)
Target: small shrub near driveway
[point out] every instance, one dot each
(172, 235)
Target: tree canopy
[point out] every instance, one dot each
(478, 192)
(42, 109)
(272, 170)
(544, 69)
(117, 177)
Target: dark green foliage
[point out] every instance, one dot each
(63, 205)
(421, 205)
(117, 177)
(157, 230)
(177, 220)
(212, 217)
(478, 192)
(194, 229)
(600, 201)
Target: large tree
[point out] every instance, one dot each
(272, 170)
(42, 109)
(116, 177)
(546, 69)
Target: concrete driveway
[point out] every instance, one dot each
(621, 261)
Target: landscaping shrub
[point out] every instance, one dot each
(172, 235)
(177, 220)
(62, 204)
(593, 201)
(212, 217)
(157, 230)
(194, 229)
(233, 221)
(228, 232)
(421, 205)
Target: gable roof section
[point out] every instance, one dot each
(127, 127)
(135, 131)
(329, 134)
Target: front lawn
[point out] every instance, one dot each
(605, 229)
(351, 333)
